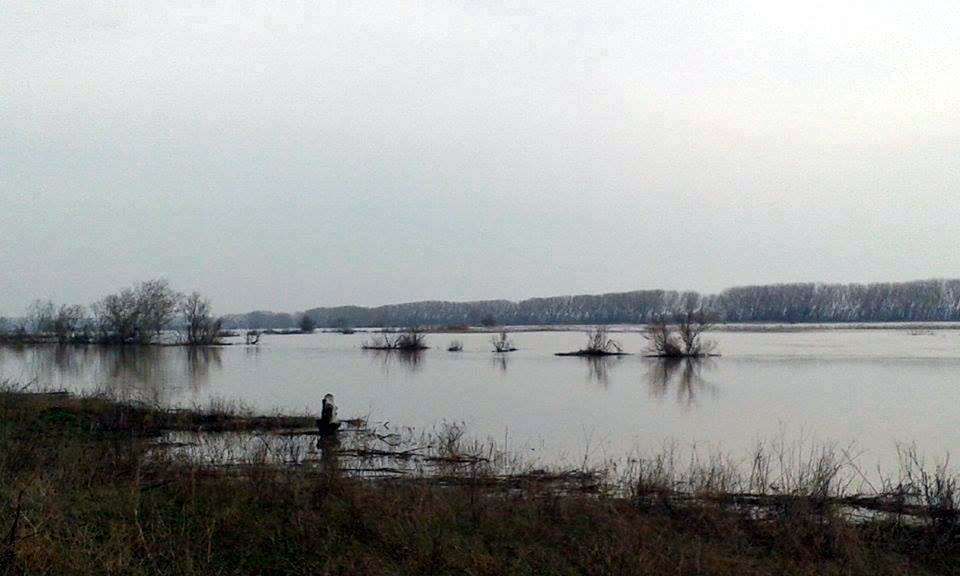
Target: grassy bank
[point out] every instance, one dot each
(84, 492)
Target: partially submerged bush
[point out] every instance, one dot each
(598, 344)
(502, 343)
(199, 326)
(681, 339)
(138, 314)
(455, 346)
(410, 340)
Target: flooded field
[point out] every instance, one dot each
(865, 390)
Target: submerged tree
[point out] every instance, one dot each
(410, 340)
(158, 304)
(682, 338)
(63, 322)
(599, 343)
(118, 317)
(199, 326)
(138, 314)
(502, 343)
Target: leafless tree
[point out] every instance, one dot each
(599, 342)
(382, 340)
(40, 316)
(682, 338)
(45, 318)
(410, 340)
(502, 343)
(158, 304)
(68, 321)
(198, 324)
(137, 314)
(118, 317)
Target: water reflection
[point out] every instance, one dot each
(410, 360)
(599, 367)
(45, 364)
(154, 373)
(200, 359)
(500, 361)
(684, 374)
(145, 373)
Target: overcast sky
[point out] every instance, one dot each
(307, 155)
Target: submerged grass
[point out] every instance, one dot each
(85, 491)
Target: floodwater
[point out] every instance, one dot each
(864, 390)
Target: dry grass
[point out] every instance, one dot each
(89, 495)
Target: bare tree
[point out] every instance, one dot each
(67, 322)
(118, 317)
(502, 343)
(40, 316)
(137, 314)
(199, 325)
(45, 318)
(410, 340)
(599, 343)
(158, 304)
(382, 340)
(681, 339)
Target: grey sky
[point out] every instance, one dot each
(303, 155)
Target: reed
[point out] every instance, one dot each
(85, 489)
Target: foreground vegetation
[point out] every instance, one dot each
(85, 490)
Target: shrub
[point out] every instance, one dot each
(502, 343)
(682, 339)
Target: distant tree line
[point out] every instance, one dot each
(920, 301)
(141, 314)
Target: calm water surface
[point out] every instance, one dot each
(867, 389)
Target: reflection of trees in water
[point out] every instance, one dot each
(686, 374)
(144, 373)
(153, 373)
(407, 359)
(49, 365)
(136, 373)
(500, 361)
(599, 367)
(199, 361)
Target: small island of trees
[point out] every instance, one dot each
(502, 343)
(151, 312)
(410, 340)
(682, 338)
(598, 344)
